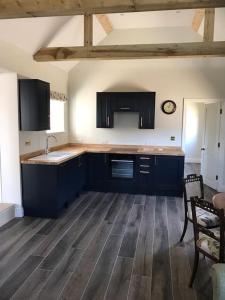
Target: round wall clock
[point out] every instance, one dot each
(169, 107)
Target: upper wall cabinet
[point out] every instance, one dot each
(104, 111)
(140, 102)
(34, 105)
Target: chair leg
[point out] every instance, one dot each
(195, 267)
(185, 228)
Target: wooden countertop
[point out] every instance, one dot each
(61, 154)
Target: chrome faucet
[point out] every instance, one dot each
(47, 140)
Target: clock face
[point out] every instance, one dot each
(169, 107)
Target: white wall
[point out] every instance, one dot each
(9, 141)
(170, 78)
(15, 59)
(194, 130)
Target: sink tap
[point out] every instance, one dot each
(47, 140)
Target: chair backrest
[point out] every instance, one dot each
(193, 186)
(208, 207)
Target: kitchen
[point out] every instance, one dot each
(92, 158)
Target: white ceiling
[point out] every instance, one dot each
(32, 34)
(172, 18)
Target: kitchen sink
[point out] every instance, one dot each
(56, 155)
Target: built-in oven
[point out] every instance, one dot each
(122, 166)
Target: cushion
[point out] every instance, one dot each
(204, 218)
(208, 244)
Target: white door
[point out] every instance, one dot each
(210, 150)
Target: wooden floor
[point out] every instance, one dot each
(105, 246)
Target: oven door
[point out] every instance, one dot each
(122, 167)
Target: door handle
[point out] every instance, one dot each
(144, 172)
(202, 149)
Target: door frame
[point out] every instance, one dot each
(221, 150)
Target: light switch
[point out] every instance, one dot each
(172, 138)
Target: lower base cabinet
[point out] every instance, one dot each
(152, 175)
(48, 189)
(168, 175)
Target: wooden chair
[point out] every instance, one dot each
(209, 242)
(193, 186)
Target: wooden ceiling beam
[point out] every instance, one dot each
(43, 8)
(198, 19)
(198, 49)
(105, 23)
(88, 30)
(209, 25)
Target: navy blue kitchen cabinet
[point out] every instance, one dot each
(145, 168)
(141, 102)
(48, 189)
(98, 171)
(104, 111)
(34, 105)
(168, 174)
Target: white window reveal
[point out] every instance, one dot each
(57, 116)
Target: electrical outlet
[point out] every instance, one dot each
(27, 142)
(172, 138)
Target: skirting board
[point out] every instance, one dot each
(19, 213)
(193, 160)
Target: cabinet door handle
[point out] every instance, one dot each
(144, 166)
(145, 158)
(144, 172)
(125, 108)
(107, 120)
(141, 122)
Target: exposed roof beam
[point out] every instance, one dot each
(198, 18)
(132, 51)
(43, 8)
(209, 25)
(88, 30)
(105, 22)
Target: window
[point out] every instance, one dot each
(57, 122)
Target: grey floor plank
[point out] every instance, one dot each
(63, 225)
(139, 199)
(99, 280)
(144, 253)
(178, 255)
(129, 243)
(58, 278)
(120, 281)
(32, 286)
(86, 235)
(61, 248)
(161, 288)
(124, 213)
(18, 238)
(79, 279)
(114, 209)
(9, 265)
(14, 282)
(9, 225)
(140, 288)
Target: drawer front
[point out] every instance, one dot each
(145, 160)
